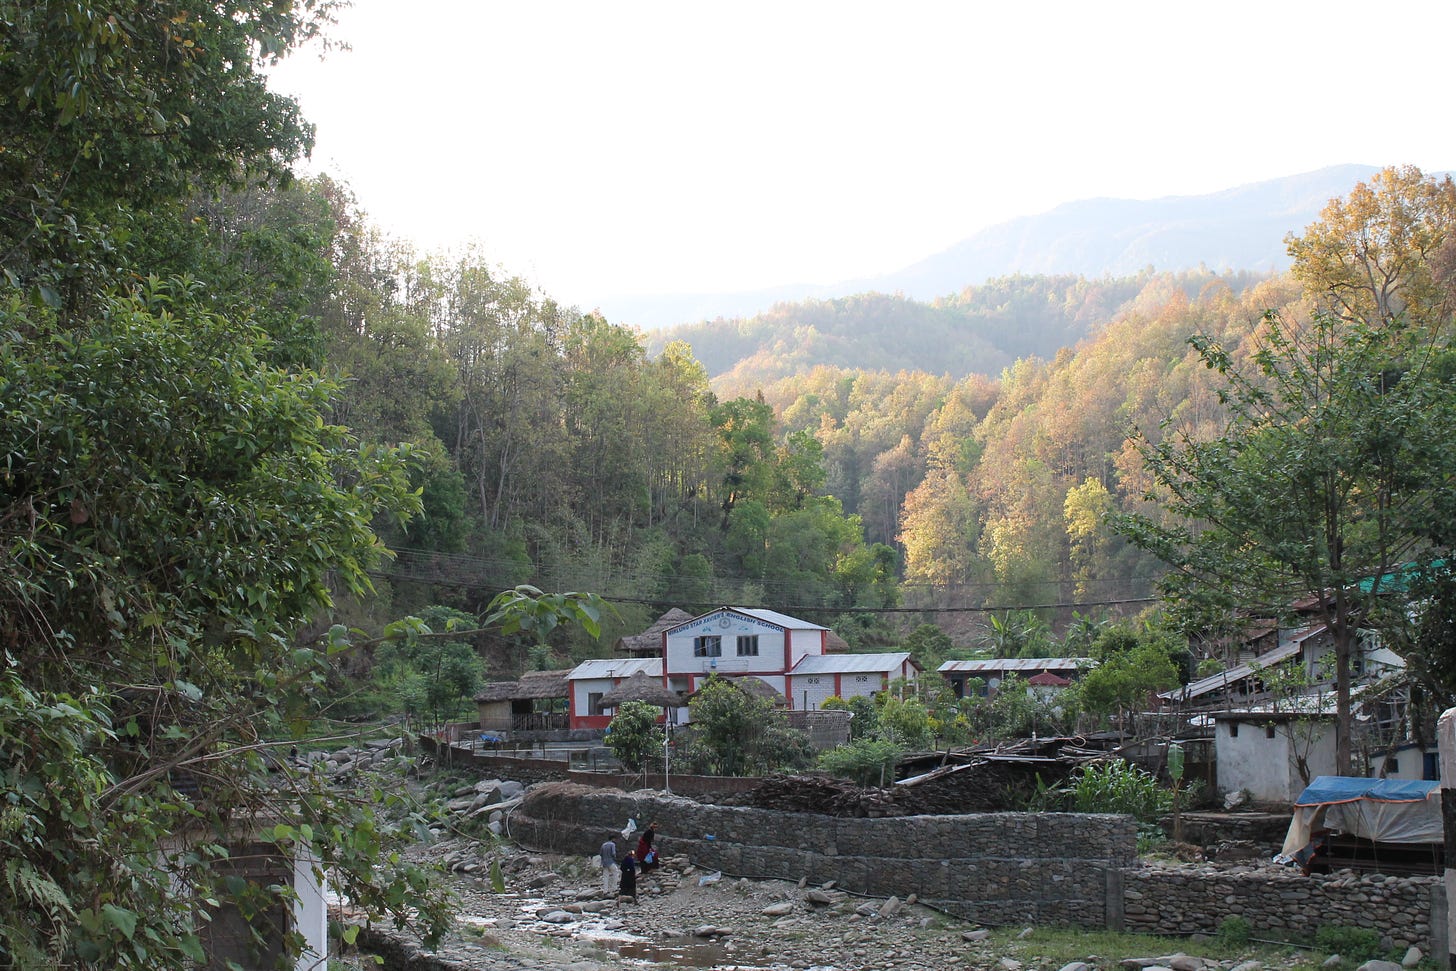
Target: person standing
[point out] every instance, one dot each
(628, 887)
(646, 852)
(610, 870)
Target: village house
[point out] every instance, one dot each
(535, 702)
(790, 657)
(1272, 716)
(984, 677)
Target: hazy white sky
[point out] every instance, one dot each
(606, 148)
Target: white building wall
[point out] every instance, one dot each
(1267, 767)
(803, 643)
(728, 627)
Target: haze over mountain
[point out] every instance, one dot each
(1241, 228)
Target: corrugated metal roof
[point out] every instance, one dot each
(849, 663)
(616, 667)
(1237, 673)
(774, 617)
(1035, 665)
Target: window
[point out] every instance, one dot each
(748, 645)
(710, 645)
(1233, 729)
(594, 702)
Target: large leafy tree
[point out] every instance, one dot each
(174, 501)
(1336, 464)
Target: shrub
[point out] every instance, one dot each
(1234, 931)
(1120, 787)
(1354, 944)
(865, 761)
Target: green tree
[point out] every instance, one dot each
(434, 679)
(634, 735)
(905, 721)
(738, 733)
(929, 646)
(1125, 681)
(745, 437)
(175, 509)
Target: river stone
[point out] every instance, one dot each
(1380, 966)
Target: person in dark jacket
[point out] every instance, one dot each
(628, 887)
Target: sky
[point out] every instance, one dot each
(601, 149)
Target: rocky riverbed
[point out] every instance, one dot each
(524, 909)
(554, 916)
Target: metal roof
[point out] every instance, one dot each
(1036, 665)
(616, 667)
(849, 663)
(760, 613)
(1223, 679)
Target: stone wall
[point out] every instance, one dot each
(995, 868)
(1282, 904)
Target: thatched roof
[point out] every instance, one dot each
(532, 685)
(650, 640)
(640, 687)
(754, 687)
(834, 644)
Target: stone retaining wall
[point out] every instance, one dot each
(995, 868)
(1284, 905)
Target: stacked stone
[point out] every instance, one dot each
(995, 868)
(1279, 903)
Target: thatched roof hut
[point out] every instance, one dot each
(649, 642)
(640, 687)
(533, 685)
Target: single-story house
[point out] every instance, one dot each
(992, 671)
(537, 701)
(820, 676)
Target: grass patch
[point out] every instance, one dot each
(1055, 946)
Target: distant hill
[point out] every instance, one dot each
(1238, 229)
(981, 330)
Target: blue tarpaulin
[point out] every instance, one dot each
(1328, 789)
(1383, 810)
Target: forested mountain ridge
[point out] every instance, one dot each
(980, 330)
(1240, 228)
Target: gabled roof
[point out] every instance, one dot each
(849, 663)
(616, 667)
(650, 640)
(772, 617)
(1048, 680)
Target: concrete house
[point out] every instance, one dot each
(790, 657)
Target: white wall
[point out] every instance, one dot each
(728, 626)
(1266, 767)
